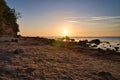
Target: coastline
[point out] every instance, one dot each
(37, 58)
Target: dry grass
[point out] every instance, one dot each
(45, 62)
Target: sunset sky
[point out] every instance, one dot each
(77, 17)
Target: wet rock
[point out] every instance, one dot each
(83, 43)
(110, 45)
(94, 46)
(96, 41)
(107, 42)
(118, 44)
(116, 48)
(18, 51)
(72, 40)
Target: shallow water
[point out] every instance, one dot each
(107, 42)
(113, 41)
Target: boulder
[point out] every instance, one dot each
(95, 41)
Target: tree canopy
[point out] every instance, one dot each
(8, 20)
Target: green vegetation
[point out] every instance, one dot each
(8, 20)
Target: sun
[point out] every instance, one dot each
(65, 32)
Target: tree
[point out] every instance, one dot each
(8, 20)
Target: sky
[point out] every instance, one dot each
(77, 17)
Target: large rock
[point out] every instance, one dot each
(95, 41)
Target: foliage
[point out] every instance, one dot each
(8, 20)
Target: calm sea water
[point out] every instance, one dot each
(113, 41)
(109, 39)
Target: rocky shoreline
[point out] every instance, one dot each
(34, 58)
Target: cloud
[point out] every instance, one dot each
(105, 18)
(94, 19)
(73, 21)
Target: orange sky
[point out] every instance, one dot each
(79, 17)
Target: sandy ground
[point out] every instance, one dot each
(45, 62)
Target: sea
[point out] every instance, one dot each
(106, 42)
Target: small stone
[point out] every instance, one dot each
(14, 40)
(4, 58)
(67, 78)
(29, 70)
(106, 76)
(17, 51)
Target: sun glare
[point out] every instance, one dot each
(65, 32)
